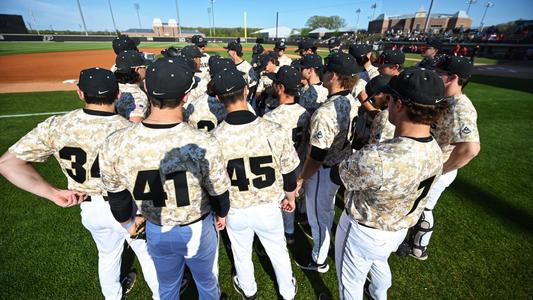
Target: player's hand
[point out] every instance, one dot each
(220, 223)
(299, 185)
(67, 198)
(288, 205)
(136, 228)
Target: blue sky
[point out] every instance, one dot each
(63, 14)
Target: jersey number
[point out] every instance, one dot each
(148, 187)
(78, 158)
(297, 134)
(351, 132)
(237, 172)
(205, 124)
(425, 185)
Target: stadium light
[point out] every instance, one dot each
(213, 16)
(358, 12)
(82, 19)
(470, 2)
(374, 10)
(34, 22)
(178, 17)
(112, 17)
(137, 7)
(487, 6)
(210, 26)
(428, 17)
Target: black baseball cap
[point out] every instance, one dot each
(342, 63)
(235, 46)
(334, 42)
(186, 61)
(227, 81)
(259, 40)
(280, 45)
(168, 78)
(265, 58)
(129, 59)
(98, 82)
(311, 61)
(417, 85)
(191, 51)
(391, 57)
(218, 64)
(289, 77)
(434, 44)
(377, 84)
(199, 40)
(459, 65)
(124, 42)
(297, 64)
(258, 49)
(306, 44)
(359, 50)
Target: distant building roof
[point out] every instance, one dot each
(321, 30)
(283, 32)
(140, 30)
(347, 29)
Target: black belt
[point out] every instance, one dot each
(348, 213)
(190, 223)
(326, 167)
(88, 199)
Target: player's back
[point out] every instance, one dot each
(313, 96)
(166, 168)
(257, 154)
(205, 113)
(388, 191)
(75, 140)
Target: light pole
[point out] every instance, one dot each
(487, 6)
(112, 17)
(358, 12)
(210, 26)
(470, 2)
(34, 22)
(178, 16)
(82, 19)
(428, 17)
(213, 16)
(374, 10)
(137, 7)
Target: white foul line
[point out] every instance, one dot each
(35, 114)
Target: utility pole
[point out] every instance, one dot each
(428, 16)
(137, 7)
(470, 2)
(213, 16)
(487, 6)
(82, 19)
(112, 17)
(178, 15)
(374, 10)
(277, 17)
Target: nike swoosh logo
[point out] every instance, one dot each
(103, 92)
(157, 94)
(227, 90)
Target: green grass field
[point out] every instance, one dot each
(482, 247)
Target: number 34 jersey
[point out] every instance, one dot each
(170, 170)
(256, 154)
(387, 183)
(74, 139)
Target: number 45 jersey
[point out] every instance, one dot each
(170, 170)
(75, 140)
(257, 154)
(387, 183)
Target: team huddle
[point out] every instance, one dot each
(167, 155)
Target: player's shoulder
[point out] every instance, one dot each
(463, 103)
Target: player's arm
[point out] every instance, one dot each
(23, 175)
(363, 98)
(217, 183)
(461, 155)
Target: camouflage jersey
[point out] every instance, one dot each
(381, 129)
(312, 96)
(264, 83)
(204, 64)
(248, 73)
(284, 60)
(458, 125)
(364, 78)
(387, 183)
(201, 89)
(295, 119)
(256, 154)
(204, 113)
(332, 127)
(133, 102)
(75, 140)
(170, 170)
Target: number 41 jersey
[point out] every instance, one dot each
(387, 183)
(74, 139)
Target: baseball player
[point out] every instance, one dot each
(266, 98)
(279, 49)
(257, 50)
(200, 42)
(261, 162)
(334, 44)
(293, 117)
(75, 140)
(457, 135)
(306, 46)
(123, 43)
(193, 57)
(175, 175)
(330, 133)
(387, 184)
(130, 72)
(234, 49)
(314, 93)
(430, 54)
(390, 62)
(363, 55)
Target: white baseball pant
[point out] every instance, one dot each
(359, 250)
(172, 247)
(109, 237)
(320, 194)
(264, 220)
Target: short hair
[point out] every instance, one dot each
(129, 77)
(100, 99)
(231, 97)
(164, 103)
(347, 81)
(426, 114)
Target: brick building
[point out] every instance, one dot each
(415, 22)
(161, 29)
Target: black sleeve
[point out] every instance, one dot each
(335, 176)
(220, 204)
(121, 205)
(289, 181)
(318, 154)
